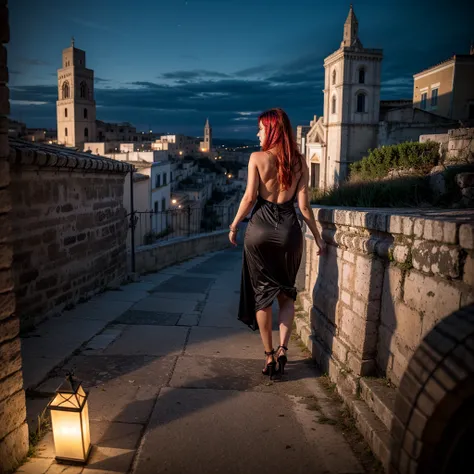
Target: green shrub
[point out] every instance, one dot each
(409, 155)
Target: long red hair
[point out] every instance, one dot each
(279, 137)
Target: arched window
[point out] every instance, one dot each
(85, 113)
(333, 108)
(83, 90)
(65, 90)
(65, 132)
(334, 76)
(361, 102)
(65, 112)
(86, 133)
(362, 75)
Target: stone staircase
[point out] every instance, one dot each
(372, 408)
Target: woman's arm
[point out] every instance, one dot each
(305, 208)
(248, 199)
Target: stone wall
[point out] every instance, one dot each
(13, 428)
(456, 144)
(152, 258)
(69, 228)
(385, 281)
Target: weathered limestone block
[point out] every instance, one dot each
(370, 310)
(429, 257)
(368, 278)
(10, 358)
(392, 287)
(7, 304)
(400, 253)
(12, 413)
(347, 280)
(432, 297)
(9, 328)
(418, 227)
(466, 236)
(469, 270)
(358, 333)
(13, 448)
(360, 367)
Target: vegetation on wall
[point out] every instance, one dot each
(380, 162)
(401, 192)
(397, 176)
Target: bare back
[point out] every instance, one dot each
(269, 187)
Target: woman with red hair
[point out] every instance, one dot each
(273, 243)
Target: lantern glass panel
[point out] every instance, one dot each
(86, 434)
(67, 433)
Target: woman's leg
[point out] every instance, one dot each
(264, 320)
(285, 318)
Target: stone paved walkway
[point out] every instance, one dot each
(175, 383)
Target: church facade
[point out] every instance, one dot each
(354, 118)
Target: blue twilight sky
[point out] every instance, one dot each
(170, 64)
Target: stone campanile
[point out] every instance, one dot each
(75, 108)
(351, 103)
(207, 136)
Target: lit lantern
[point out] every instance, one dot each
(70, 421)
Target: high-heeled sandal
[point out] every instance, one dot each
(270, 367)
(282, 360)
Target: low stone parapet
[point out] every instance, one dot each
(387, 278)
(151, 258)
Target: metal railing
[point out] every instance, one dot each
(150, 227)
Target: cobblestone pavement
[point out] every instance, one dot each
(175, 383)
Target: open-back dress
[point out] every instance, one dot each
(273, 247)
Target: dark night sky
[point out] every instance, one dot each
(170, 64)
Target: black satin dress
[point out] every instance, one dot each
(273, 247)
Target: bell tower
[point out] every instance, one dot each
(351, 103)
(75, 108)
(208, 136)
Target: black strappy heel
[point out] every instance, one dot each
(270, 367)
(282, 360)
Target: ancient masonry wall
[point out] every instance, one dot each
(385, 281)
(69, 230)
(13, 427)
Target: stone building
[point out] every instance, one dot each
(177, 146)
(354, 118)
(447, 89)
(75, 107)
(206, 145)
(76, 110)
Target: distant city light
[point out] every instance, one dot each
(174, 201)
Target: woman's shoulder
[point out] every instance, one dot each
(258, 155)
